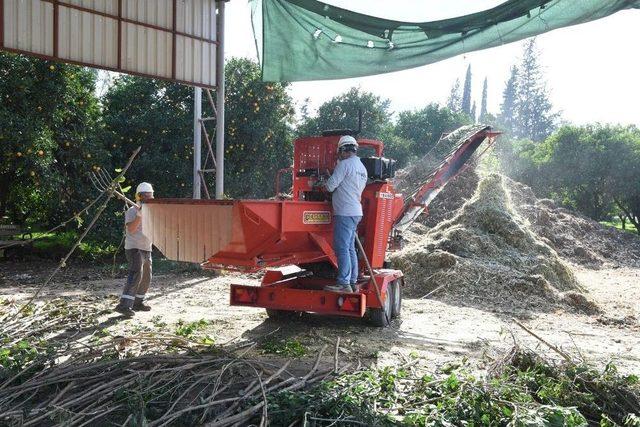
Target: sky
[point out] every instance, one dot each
(592, 70)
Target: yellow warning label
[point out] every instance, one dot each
(316, 217)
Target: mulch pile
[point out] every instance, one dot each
(575, 237)
(486, 255)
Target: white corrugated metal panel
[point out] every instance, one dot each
(105, 6)
(135, 36)
(195, 58)
(154, 12)
(28, 26)
(196, 18)
(146, 51)
(98, 44)
(195, 61)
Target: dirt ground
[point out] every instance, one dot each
(430, 333)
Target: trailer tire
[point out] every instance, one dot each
(382, 316)
(396, 292)
(275, 314)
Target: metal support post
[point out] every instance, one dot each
(220, 103)
(197, 140)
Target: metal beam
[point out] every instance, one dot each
(220, 102)
(197, 142)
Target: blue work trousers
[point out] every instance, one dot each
(344, 238)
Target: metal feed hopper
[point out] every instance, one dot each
(241, 234)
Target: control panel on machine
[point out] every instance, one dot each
(316, 157)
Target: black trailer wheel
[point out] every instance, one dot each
(382, 316)
(396, 292)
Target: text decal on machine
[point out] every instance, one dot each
(388, 196)
(316, 217)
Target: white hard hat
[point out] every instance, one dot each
(347, 140)
(144, 187)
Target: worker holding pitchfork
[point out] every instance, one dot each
(137, 248)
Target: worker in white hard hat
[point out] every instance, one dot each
(346, 183)
(137, 247)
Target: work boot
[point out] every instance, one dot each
(125, 311)
(354, 287)
(338, 288)
(139, 305)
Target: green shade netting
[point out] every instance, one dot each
(310, 40)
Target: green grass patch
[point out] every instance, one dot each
(285, 347)
(56, 245)
(618, 224)
(187, 329)
(527, 391)
(192, 331)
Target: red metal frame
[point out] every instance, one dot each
(294, 293)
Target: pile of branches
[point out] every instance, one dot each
(153, 390)
(35, 336)
(59, 366)
(522, 389)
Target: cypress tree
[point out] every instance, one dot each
(466, 93)
(453, 102)
(507, 116)
(483, 102)
(473, 112)
(534, 116)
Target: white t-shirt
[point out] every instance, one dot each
(135, 240)
(347, 183)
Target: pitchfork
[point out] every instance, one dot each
(101, 180)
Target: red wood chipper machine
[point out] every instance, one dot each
(291, 239)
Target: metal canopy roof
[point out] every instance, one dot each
(168, 39)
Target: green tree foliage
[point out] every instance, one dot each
(535, 119)
(466, 93)
(158, 115)
(341, 112)
(594, 169)
(398, 148)
(454, 101)
(474, 117)
(483, 103)
(413, 134)
(507, 116)
(259, 118)
(574, 163)
(49, 117)
(597, 168)
(624, 184)
(424, 127)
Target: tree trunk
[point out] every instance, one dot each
(623, 220)
(4, 195)
(628, 212)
